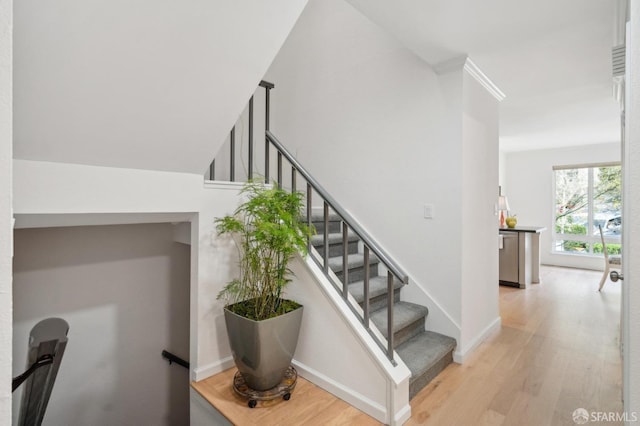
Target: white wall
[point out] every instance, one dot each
(479, 224)
(6, 231)
(632, 222)
(365, 116)
(124, 291)
(150, 84)
(502, 171)
(530, 192)
(383, 133)
(54, 194)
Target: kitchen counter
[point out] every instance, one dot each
(520, 255)
(534, 229)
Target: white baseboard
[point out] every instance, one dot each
(402, 415)
(461, 354)
(348, 395)
(352, 397)
(209, 370)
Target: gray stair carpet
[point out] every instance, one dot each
(377, 292)
(408, 321)
(426, 355)
(424, 352)
(334, 238)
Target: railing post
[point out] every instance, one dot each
(250, 172)
(212, 170)
(267, 114)
(232, 147)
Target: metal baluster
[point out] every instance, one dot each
(266, 161)
(365, 320)
(390, 298)
(279, 169)
(309, 195)
(293, 179)
(345, 260)
(251, 138)
(326, 238)
(232, 146)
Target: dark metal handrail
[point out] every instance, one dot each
(353, 224)
(45, 359)
(174, 358)
(349, 223)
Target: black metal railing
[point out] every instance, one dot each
(348, 223)
(250, 168)
(46, 359)
(174, 358)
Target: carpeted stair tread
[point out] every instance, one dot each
(377, 287)
(319, 217)
(356, 260)
(426, 355)
(404, 314)
(334, 238)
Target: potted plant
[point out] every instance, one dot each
(262, 325)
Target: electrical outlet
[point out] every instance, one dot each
(429, 211)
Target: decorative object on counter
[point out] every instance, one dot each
(262, 326)
(511, 221)
(503, 206)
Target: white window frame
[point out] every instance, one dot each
(588, 238)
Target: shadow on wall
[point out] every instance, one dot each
(124, 290)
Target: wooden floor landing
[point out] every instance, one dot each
(309, 405)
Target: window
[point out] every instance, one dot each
(587, 197)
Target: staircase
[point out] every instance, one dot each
(424, 352)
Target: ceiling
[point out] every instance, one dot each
(552, 59)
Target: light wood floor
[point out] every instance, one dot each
(557, 350)
(309, 405)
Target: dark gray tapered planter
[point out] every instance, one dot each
(263, 350)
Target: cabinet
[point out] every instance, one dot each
(519, 256)
(508, 274)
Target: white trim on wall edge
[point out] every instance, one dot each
(217, 184)
(352, 397)
(460, 355)
(482, 78)
(206, 371)
(465, 62)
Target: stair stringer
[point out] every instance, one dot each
(343, 358)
